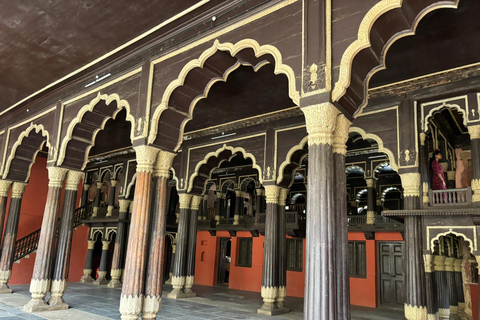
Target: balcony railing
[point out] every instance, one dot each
(450, 197)
(379, 221)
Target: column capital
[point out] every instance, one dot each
(239, 193)
(196, 200)
(260, 192)
(428, 263)
(86, 186)
(474, 131)
(220, 195)
(56, 176)
(205, 197)
(272, 193)
(411, 184)
(91, 244)
(99, 185)
(105, 245)
(18, 188)
(340, 135)
(146, 157)
(124, 205)
(184, 199)
(73, 179)
(163, 164)
(283, 196)
(423, 137)
(113, 183)
(370, 182)
(321, 120)
(5, 187)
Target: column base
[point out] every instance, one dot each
(100, 282)
(270, 309)
(57, 304)
(176, 294)
(36, 305)
(189, 293)
(4, 288)
(86, 278)
(114, 284)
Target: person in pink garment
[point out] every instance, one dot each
(438, 182)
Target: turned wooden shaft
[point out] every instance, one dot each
(120, 237)
(96, 202)
(3, 210)
(179, 266)
(85, 194)
(282, 246)
(10, 237)
(270, 250)
(154, 278)
(135, 262)
(192, 243)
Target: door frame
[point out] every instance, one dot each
(378, 265)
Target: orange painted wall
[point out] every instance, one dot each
(296, 279)
(205, 259)
(474, 296)
(239, 275)
(31, 215)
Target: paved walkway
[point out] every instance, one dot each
(218, 303)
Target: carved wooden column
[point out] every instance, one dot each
(220, 206)
(282, 250)
(111, 198)
(102, 269)
(154, 279)
(341, 266)
(441, 286)
(86, 186)
(131, 300)
(430, 288)
(459, 284)
(474, 132)
(192, 246)
(452, 289)
(4, 189)
(64, 242)
(370, 201)
(179, 276)
(205, 207)
(424, 169)
(259, 199)
(320, 278)
(10, 236)
(96, 201)
(116, 271)
(42, 271)
(87, 269)
(415, 304)
(239, 203)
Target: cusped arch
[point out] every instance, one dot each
(381, 147)
(90, 119)
(292, 162)
(379, 168)
(439, 108)
(24, 151)
(360, 194)
(352, 168)
(229, 183)
(216, 66)
(390, 189)
(212, 160)
(472, 243)
(352, 95)
(245, 182)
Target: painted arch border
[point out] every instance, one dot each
(363, 41)
(38, 128)
(233, 49)
(445, 103)
(450, 230)
(121, 103)
(215, 154)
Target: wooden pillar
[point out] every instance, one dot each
(111, 198)
(96, 201)
(259, 199)
(282, 250)
(370, 200)
(86, 186)
(4, 189)
(441, 286)
(10, 236)
(179, 275)
(239, 203)
(42, 271)
(430, 288)
(341, 225)
(452, 289)
(87, 269)
(102, 269)
(192, 246)
(220, 206)
(474, 132)
(320, 278)
(131, 300)
(459, 284)
(116, 271)
(64, 242)
(154, 279)
(205, 207)
(415, 304)
(424, 169)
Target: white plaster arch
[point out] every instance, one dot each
(296, 196)
(387, 190)
(121, 104)
(351, 168)
(359, 194)
(363, 41)
(216, 153)
(32, 127)
(233, 49)
(381, 147)
(288, 158)
(432, 112)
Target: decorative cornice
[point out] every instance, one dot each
(272, 193)
(163, 164)
(411, 184)
(18, 188)
(184, 200)
(321, 120)
(474, 131)
(146, 157)
(196, 200)
(4, 187)
(340, 136)
(73, 179)
(56, 176)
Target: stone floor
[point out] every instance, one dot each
(219, 303)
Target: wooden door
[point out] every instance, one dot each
(222, 253)
(391, 272)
